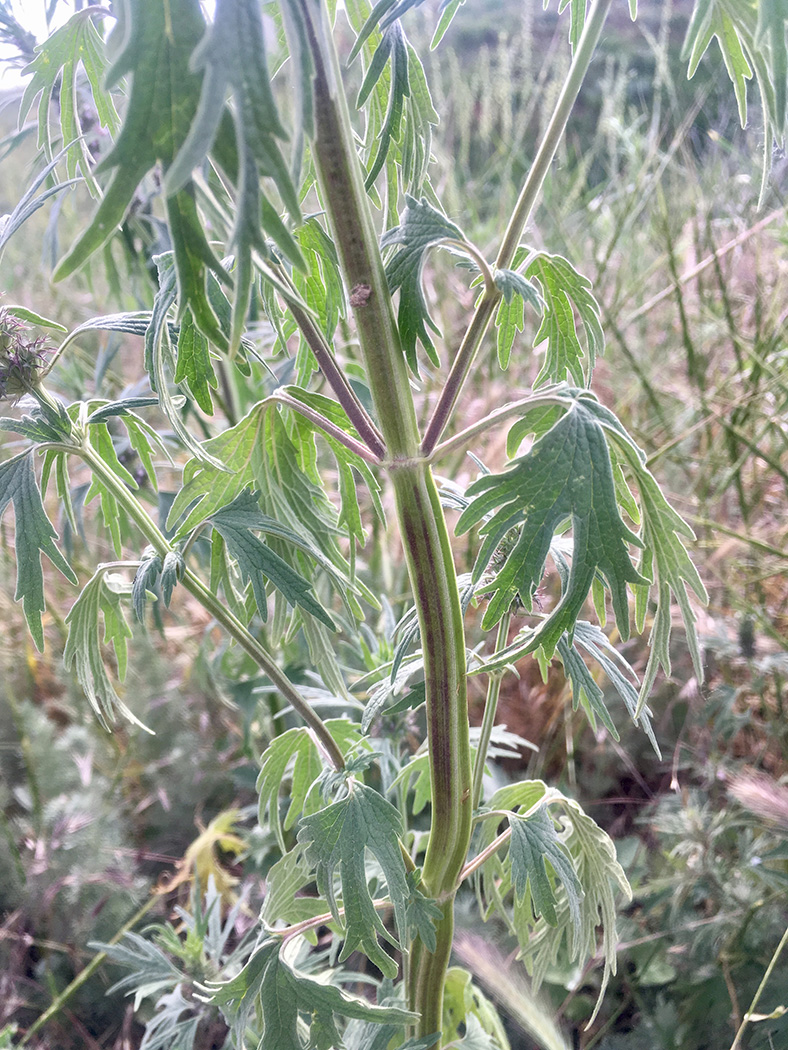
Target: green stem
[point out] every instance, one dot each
(422, 525)
(518, 222)
(490, 709)
(84, 975)
(224, 616)
(759, 992)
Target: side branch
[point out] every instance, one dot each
(471, 342)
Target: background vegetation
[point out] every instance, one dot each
(656, 192)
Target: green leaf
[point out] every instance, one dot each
(257, 562)
(770, 30)
(232, 54)
(272, 987)
(565, 291)
(151, 972)
(599, 873)
(348, 463)
(31, 317)
(46, 423)
(100, 598)
(258, 452)
(450, 8)
(422, 913)
(709, 20)
(33, 535)
(517, 291)
(665, 562)
(29, 203)
(320, 284)
(293, 746)
(157, 42)
(284, 882)
(145, 579)
(585, 689)
(337, 837)
(172, 571)
(421, 228)
(158, 354)
(577, 18)
(194, 364)
(393, 45)
(534, 843)
(56, 66)
(567, 474)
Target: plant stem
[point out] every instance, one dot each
(490, 708)
(759, 992)
(518, 222)
(58, 1003)
(422, 525)
(224, 616)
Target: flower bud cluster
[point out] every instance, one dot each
(21, 358)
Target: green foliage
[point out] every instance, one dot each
(34, 535)
(276, 363)
(277, 991)
(421, 228)
(567, 474)
(336, 838)
(56, 66)
(100, 599)
(563, 289)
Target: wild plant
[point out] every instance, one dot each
(288, 226)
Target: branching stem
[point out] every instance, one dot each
(532, 187)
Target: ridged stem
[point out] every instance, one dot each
(422, 524)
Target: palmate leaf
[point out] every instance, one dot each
(101, 597)
(564, 290)
(76, 44)
(297, 749)
(256, 452)
(271, 988)
(600, 875)
(567, 474)
(421, 228)
(533, 844)
(336, 839)
(665, 562)
(33, 535)
(575, 908)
